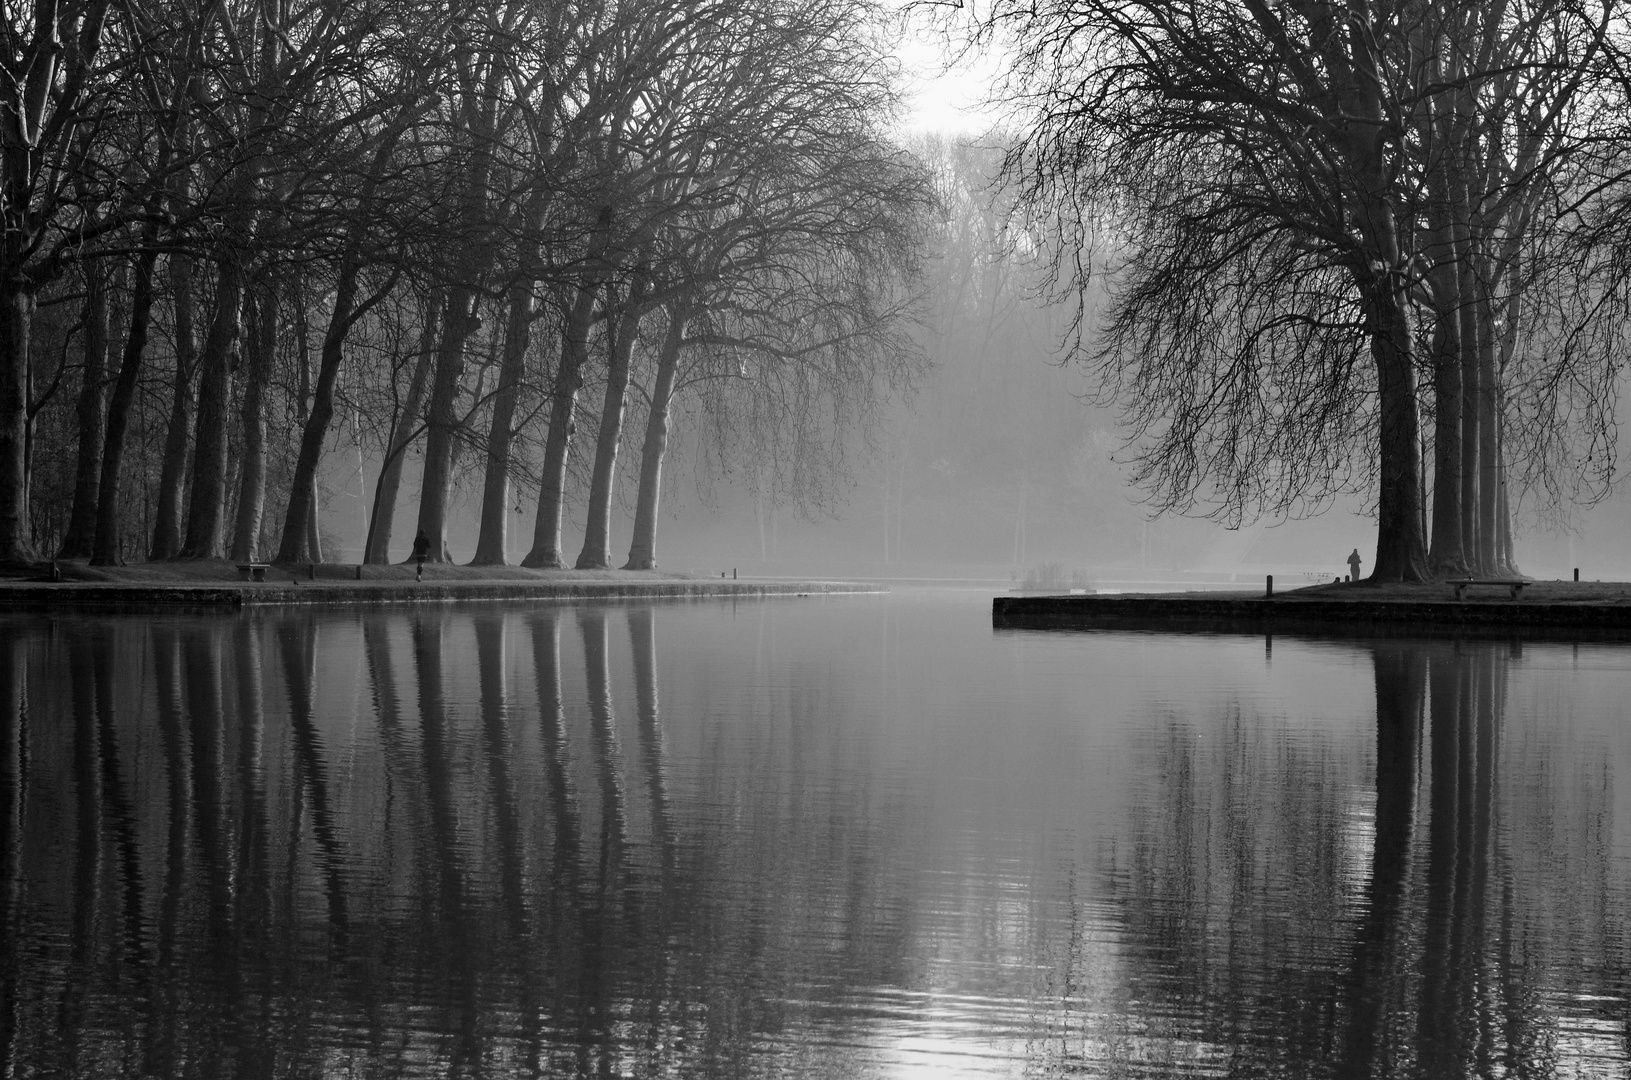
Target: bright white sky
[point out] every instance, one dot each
(953, 101)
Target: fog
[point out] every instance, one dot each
(998, 464)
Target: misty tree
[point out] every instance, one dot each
(1275, 188)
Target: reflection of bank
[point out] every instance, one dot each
(424, 842)
(1271, 912)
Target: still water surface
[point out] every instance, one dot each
(842, 837)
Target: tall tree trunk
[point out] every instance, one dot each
(492, 543)
(597, 546)
(108, 540)
(1400, 552)
(403, 431)
(1489, 450)
(643, 549)
(441, 418)
(546, 533)
(16, 314)
(173, 473)
(206, 511)
(252, 485)
(1470, 379)
(80, 539)
(1446, 558)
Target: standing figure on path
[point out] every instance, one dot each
(421, 548)
(1353, 565)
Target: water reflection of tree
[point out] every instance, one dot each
(229, 872)
(1252, 940)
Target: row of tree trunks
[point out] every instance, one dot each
(206, 510)
(109, 542)
(442, 422)
(261, 347)
(493, 541)
(623, 325)
(546, 538)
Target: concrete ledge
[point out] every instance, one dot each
(142, 596)
(1248, 613)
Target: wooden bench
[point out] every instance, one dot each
(1460, 585)
(253, 571)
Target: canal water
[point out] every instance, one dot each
(823, 837)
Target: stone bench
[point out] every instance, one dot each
(1460, 585)
(253, 571)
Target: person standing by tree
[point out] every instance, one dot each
(421, 549)
(1353, 565)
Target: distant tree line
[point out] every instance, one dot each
(236, 230)
(1352, 245)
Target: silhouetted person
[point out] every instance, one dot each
(421, 549)
(1353, 565)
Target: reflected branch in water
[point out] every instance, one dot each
(454, 930)
(613, 823)
(202, 659)
(254, 842)
(1401, 687)
(643, 646)
(87, 893)
(491, 649)
(401, 770)
(491, 658)
(546, 661)
(597, 989)
(14, 779)
(119, 817)
(163, 1050)
(297, 644)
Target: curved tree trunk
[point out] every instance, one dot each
(107, 552)
(597, 545)
(80, 539)
(546, 533)
(206, 511)
(377, 550)
(252, 485)
(300, 520)
(492, 544)
(173, 473)
(643, 549)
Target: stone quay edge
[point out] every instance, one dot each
(1255, 613)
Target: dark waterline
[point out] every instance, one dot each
(857, 836)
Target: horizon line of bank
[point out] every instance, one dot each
(123, 596)
(1211, 612)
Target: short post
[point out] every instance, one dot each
(1577, 573)
(311, 571)
(733, 573)
(359, 571)
(1268, 592)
